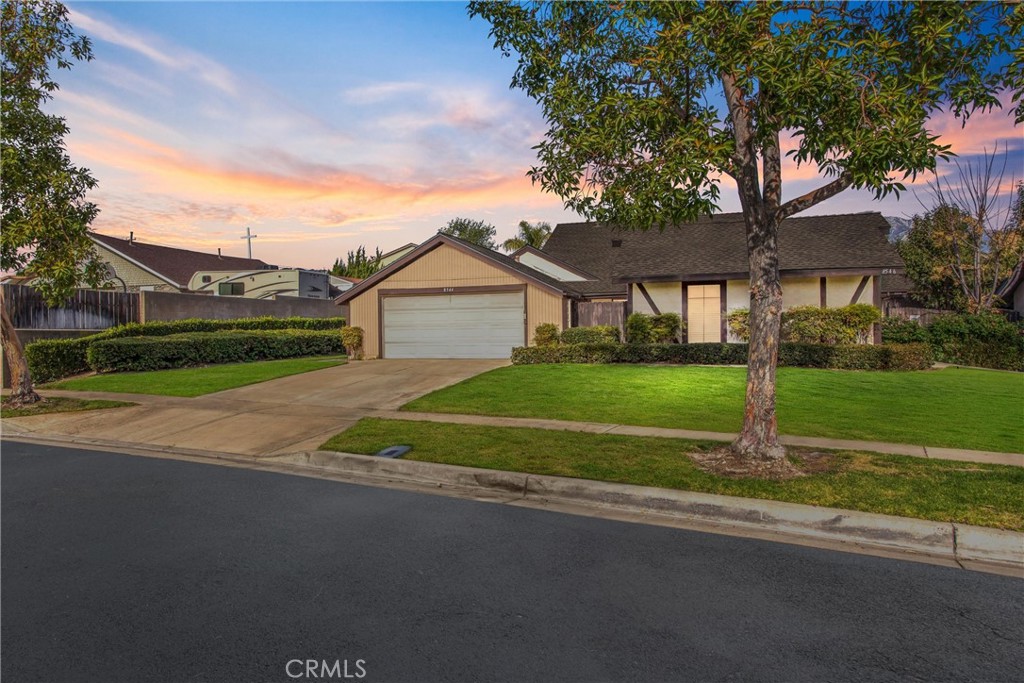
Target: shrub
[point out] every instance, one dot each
(206, 348)
(666, 328)
(815, 325)
(590, 335)
(739, 323)
(639, 329)
(352, 338)
(849, 357)
(546, 334)
(52, 359)
(985, 340)
(900, 331)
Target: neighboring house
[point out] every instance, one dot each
(264, 284)
(452, 299)
(141, 266)
(395, 254)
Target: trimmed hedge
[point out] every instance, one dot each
(590, 335)
(849, 357)
(52, 359)
(207, 348)
(986, 340)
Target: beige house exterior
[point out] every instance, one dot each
(443, 291)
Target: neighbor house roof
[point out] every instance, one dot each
(500, 260)
(176, 266)
(715, 247)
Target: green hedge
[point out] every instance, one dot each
(850, 357)
(590, 335)
(207, 348)
(986, 340)
(52, 359)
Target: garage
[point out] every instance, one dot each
(485, 325)
(449, 298)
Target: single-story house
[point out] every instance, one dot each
(452, 299)
(154, 267)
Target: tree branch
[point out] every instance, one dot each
(794, 206)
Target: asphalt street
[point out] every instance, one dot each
(124, 568)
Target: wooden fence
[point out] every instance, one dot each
(590, 313)
(86, 309)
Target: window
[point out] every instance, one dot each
(231, 288)
(207, 278)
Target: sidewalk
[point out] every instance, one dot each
(987, 457)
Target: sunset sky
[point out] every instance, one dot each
(324, 126)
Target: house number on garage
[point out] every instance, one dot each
(447, 289)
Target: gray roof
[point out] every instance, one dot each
(716, 247)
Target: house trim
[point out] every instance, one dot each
(712, 278)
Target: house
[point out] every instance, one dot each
(141, 266)
(452, 299)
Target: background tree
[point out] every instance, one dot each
(530, 234)
(477, 232)
(965, 252)
(45, 214)
(650, 105)
(357, 265)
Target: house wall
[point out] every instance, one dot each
(667, 296)
(134, 277)
(839, 291)
(541, 264)
(801, 291)
(447, 266)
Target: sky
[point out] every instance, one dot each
(323, 126)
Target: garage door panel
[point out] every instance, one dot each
(453, 325)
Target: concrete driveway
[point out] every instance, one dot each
(280, 416)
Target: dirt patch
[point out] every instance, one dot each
(725, 463)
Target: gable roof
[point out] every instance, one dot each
(176, 266)
(552, 259)
(497, 259)
(715, 247)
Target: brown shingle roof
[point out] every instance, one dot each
(176, 265)
(716, 246)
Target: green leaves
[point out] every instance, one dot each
(44, 210)
(477, 232)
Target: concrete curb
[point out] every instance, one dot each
(956, 542)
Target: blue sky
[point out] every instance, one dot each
(326, 125)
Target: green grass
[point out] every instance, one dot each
(954, 407)
(61, 405)
(986, 495)
(197, 381)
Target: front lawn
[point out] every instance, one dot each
(60, 405)
(954, 407)
(191, 382)
(942, 490)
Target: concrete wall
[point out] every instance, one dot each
(177, 306)
(447, 266)
(28, 336)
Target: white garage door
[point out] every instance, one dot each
(453, 325)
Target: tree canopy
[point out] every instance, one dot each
(45, 213)
(357, 264)
(477, 232)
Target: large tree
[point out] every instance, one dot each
(651, 105)
(358, 264)
(45, 214)
(529, 235)
(477, 232)
(967, 249)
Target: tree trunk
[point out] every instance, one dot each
(760, 436)
(22, 391)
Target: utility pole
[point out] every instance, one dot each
(249, 238)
